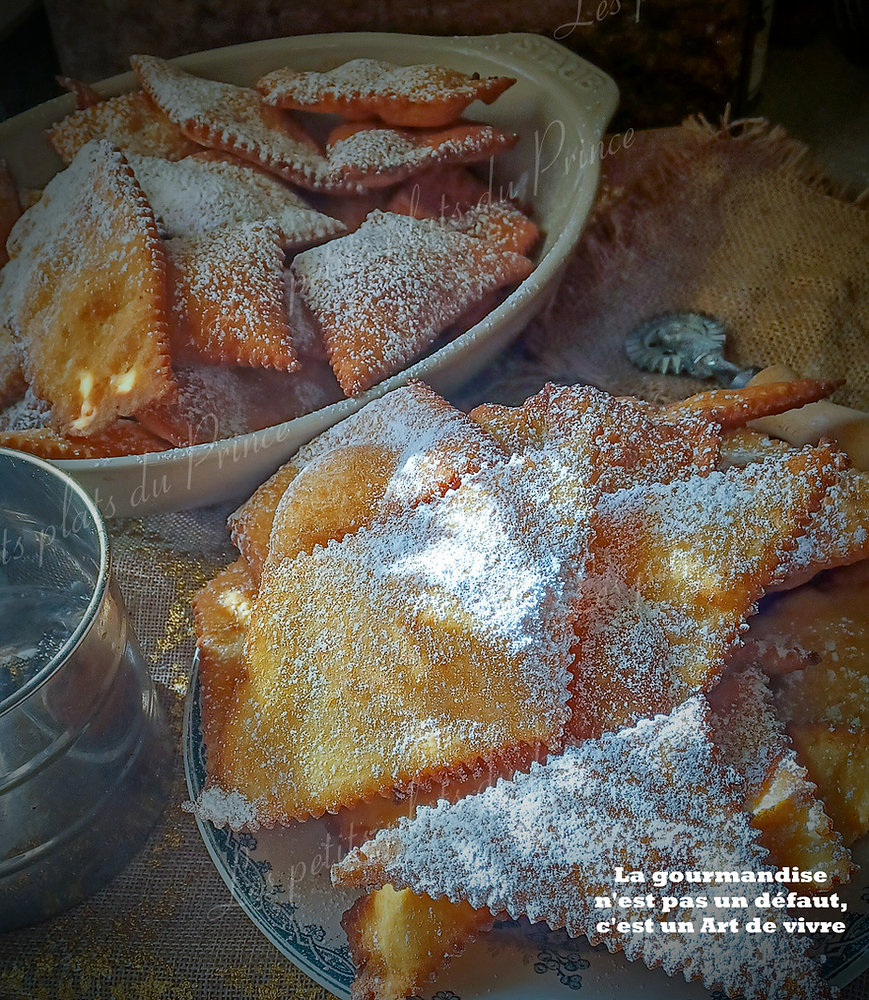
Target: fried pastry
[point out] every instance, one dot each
(382, 294)
(85, 295)
(676, 570)
(440, 193)
(122, 437)
(374, 156)
(459, 200)
(417, 96)
(399, 940)
(743, 446)
(783, 804)
(221, 611)
(450, 654)
(814, 641)
(213, 402)
(199, 194)
(838, 535)
(227, 296)
(501, 224)
(732, 408)
(837, 760)
(251, 525)
(130, 122)
(633, 443)
(85, 95)
(425, 447)
(234, 119)
(542, 846)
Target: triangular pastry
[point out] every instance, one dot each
(384, 293)
(450, 654)
(200, 193)
(547, 845)
(234, 119)
(675, 572)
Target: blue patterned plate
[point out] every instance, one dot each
(280, 878)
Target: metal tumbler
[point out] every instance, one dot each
(84, 751)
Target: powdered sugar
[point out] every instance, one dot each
(85, 285)
(378, 155)
(228, 298)
(370, 78)
(130, 122)
(837, 534)
(28, 413)
(193, 196)
(677, 568)
(234, 119)
(384, 292)
(547, 843)
(221, 808)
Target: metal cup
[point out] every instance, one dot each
(84, 750)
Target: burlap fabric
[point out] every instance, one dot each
(736, 222)
(688, 218)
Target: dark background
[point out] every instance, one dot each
(680, 57)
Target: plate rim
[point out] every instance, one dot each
(209, 835)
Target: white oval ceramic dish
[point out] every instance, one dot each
(560, 106)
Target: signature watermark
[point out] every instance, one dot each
(594, 14)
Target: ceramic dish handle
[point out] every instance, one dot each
(597, 92)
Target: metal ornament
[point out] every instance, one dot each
(685, 343)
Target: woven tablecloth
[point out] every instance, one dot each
(734, 222)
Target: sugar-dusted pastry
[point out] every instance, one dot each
(461, 201)
(742, 446)
(382, 294)
(227, 298)
(437, 642)
(815, 642)
(12, 384)
(202, 193)
(399, 940)
(375, 156)
(440, 193)
(783, 803)
(84, 93)
(632, 441)
(838, 535)
(213, 402)
(129, 122)
(732, 408)
(837, 760)
(424, 446)
(676, 570)
(234, 119)
(543, 846)
(221, 611)
(85, 294)
(121, 437)
(418, 96)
